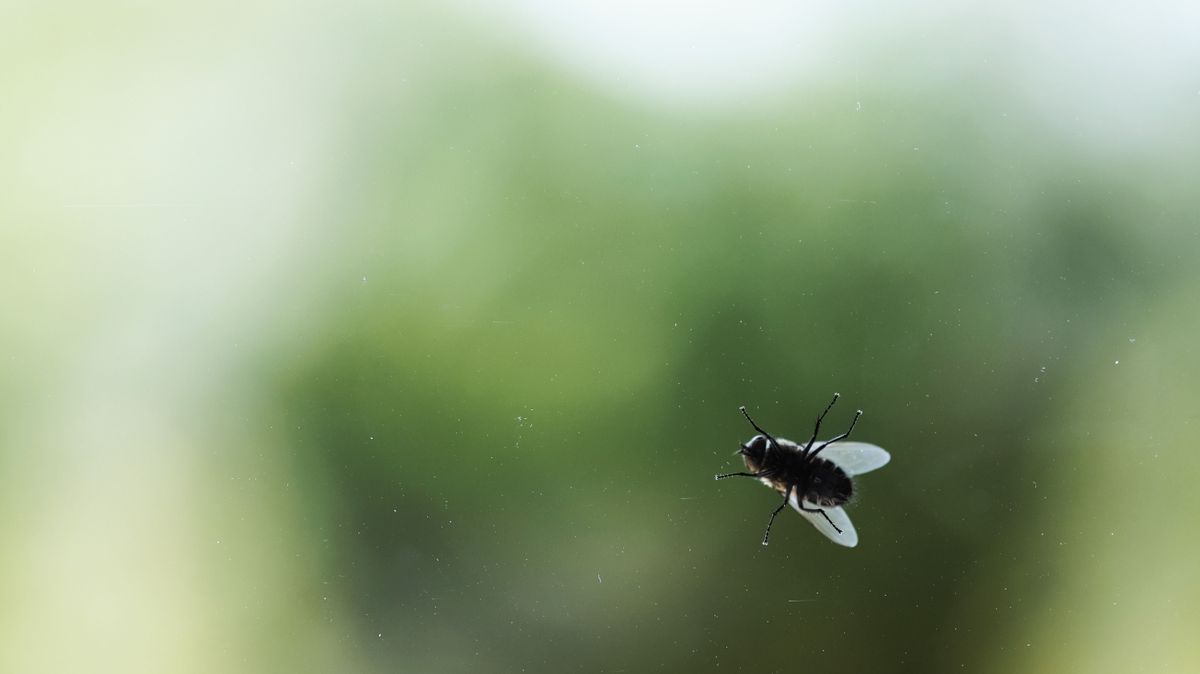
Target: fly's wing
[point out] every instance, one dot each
(856, 458)
(848, 537)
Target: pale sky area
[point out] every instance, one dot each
(1069, 58)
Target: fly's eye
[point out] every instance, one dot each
(755, 447)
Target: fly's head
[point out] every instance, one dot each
(754, 452)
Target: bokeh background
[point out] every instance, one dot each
(407, 337)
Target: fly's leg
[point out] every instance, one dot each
(823, 514)
(843, 436)
(765, 434)
(722, 477)
(817, 427)
(786, 495)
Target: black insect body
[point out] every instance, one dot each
(827, 485)
(815, 478)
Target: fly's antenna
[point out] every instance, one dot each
(843, 436)
(765, 434)
(817, 427)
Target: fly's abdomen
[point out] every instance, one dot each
(828, 486)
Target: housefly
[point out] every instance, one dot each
(816, 478)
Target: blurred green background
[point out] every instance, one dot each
(380, 337)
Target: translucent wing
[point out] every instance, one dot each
(856, 458)
(848, 537)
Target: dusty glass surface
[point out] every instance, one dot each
(408, 337)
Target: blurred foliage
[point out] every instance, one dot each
(557, 304)
(483, 416)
